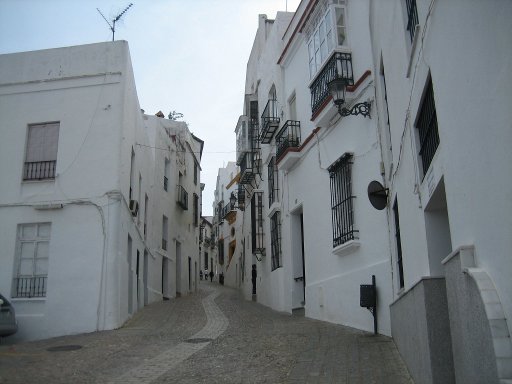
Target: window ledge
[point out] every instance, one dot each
(345, 248)
(18, 299)
(273, 208)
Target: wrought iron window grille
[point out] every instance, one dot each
(342, 208)
(275, 240)
(427, 128)
(273, 182)
(269, 121)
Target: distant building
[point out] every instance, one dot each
(95, 219)
(226, 226)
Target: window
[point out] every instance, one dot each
(329, 32)
(166, 174)
(146, 204)
(427, 128)
(132, 174)
(275, 239)
(257, 223)
(195, 173)
(165, 230)
(273, 186)
(342, 210)
(41, 154)
(398, 246)
(32, 252)
(196, 210)
(412, 17)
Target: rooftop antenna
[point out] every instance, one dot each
(117, 18)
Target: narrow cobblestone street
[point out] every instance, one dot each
(213, 336)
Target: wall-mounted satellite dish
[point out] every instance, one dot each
(378, 195)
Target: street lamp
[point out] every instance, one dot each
(337, 88)
(232, 200)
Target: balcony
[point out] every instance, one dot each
(243, 138)
(182, 197)
(249, 168)
(269, 121)
(29, 286)
(229, 212)
(39, 170)
(288, 137)
(338, 66)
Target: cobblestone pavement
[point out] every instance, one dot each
(213, 336)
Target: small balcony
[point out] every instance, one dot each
(229, 212)
(241, 197)
(288, 137)
(29, 286)
(39, 170)
(182, 197)
(269, 121)
(338, 66)
(249, 168)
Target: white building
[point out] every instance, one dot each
(83, 198)
(227, 226)
(207, 243)
(315, 236)
(443, 96)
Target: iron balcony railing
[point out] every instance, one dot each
(269, 121)
(338, 66)
(34, 286)
(182, 197)
(288, 137)
(227, 209)
(39, 170)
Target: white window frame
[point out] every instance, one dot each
(34, 284)
(40, 150)
(323, 37)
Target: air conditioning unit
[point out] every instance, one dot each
(134, 207)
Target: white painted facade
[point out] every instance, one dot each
(332, 274)
(458, 210)
(92, 280)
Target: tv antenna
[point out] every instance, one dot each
(117, 18)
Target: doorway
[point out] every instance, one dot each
(130, 275)
(298, 259)
(178, 269)
(145, 278)
(165, 278)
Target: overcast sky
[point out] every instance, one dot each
(188, 55)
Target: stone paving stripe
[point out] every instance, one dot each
(216, 325)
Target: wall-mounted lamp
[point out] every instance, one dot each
(337, 89)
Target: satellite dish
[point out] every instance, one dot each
(378, 195)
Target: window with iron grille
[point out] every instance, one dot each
(342, 209)
(427, 128)
(32, 253)
(275, 240)
(412, 17)
(257, 223)
(398, 246)
(41, 153)
(195, 173)
(273, 185)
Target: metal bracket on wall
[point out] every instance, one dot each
(368, 299)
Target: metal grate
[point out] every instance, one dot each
(412, 17)
(338, 66)
(273, 182)
(34, 286)
(275, 240)
(258, 245)
(288, 137)
(342, 210)
(269, 121)
(427, 128)
(398, 246)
